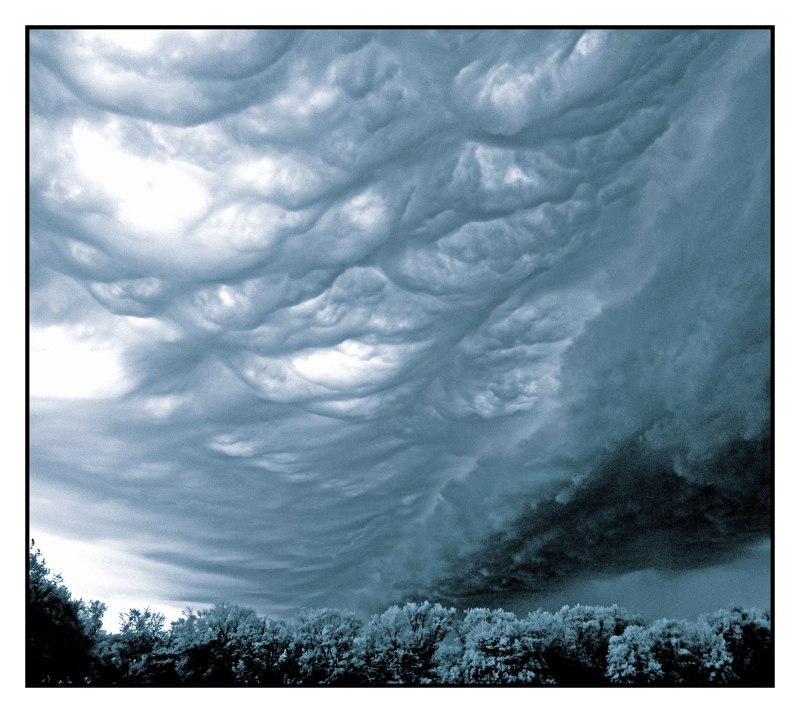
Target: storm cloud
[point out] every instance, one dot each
(338, 318)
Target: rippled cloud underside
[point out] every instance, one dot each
(340, 318)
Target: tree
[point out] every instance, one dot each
(260, 664)
(91, 616)
(739, 646)
(582, 660)
(631, 658)
(498, 648)
(543, 634)
(491, 649)
(227, 645)
(141, 630)
(132, 656)
(676, 645)
(717, 660)
(401, 644)
(321, 648)
(59, 651)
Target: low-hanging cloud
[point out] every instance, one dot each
(341, 317)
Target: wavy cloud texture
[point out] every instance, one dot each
(341, 317)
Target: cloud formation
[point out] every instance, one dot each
(337, 317)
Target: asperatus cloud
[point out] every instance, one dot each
(348, 318)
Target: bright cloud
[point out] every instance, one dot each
(72, 364)
(152, 196)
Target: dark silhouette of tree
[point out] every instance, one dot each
(59, 650)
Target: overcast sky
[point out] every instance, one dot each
(348, 318)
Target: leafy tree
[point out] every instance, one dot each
(492, 649)
(498, 648)
(129, 657)
(401, 644)
(59, 651)
(187, 641)
(227, 645)
(141, 630)
(738, 646)
(544, 634)
(260, 664)
(321, 648)
(157, 668)
(631, 657)
(91, 615)
(676, 646)
(582, 659)
(717, 660)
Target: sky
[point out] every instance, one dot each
(354, 318)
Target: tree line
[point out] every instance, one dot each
(230, 645)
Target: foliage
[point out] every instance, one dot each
(740, 648)
(630, 657)
(229, 645)
(583, 650)
(91, 616)
(498, 648)
(401, 644)
(321, 648)
(58, 646)
(128, 657)
(569, 647)
(677, 648)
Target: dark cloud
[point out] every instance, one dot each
(341, 317)
(630, 512)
